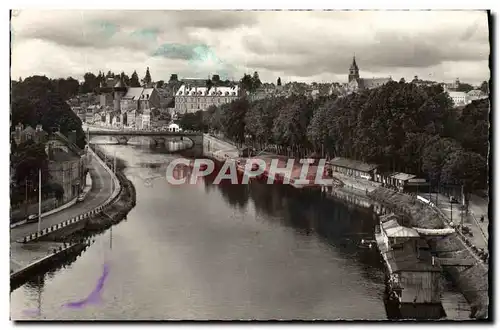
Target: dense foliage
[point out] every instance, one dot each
(400, 126)
(36, 100)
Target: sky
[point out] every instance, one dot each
(303, 46)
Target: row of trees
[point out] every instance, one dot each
(400, 126)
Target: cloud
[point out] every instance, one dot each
(302, 45)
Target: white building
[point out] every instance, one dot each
(192, 99)
(459, 98)
(174, 128)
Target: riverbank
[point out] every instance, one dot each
(116, 211)
(56, 257)
(472, 282)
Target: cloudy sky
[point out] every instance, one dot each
(294, 45)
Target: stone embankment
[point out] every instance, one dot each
(471, 281)
(117, 210)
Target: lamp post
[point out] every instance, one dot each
(451, 211)
(39, 198)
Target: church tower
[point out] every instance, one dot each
(353, 70)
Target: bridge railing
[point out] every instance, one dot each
(115, 193)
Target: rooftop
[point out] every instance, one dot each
(403, 176)
(404, 260)
(352, 164)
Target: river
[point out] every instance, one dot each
(218, 252)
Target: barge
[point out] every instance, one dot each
(413, 275)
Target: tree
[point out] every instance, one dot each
(485, 87)
(464, 87)
(256, 83)
(90, 83)
(278, 83)
(246, 83)
(216, 79)
(233, 119)
(159, 84)
(435, 155)
(29, 158)
(134, 80)
(473, 127)
(146, 81)
(36, 101)
(402, 80)
(125, 79)
(173, 77)
(465, 168)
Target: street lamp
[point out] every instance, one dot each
(451, 210)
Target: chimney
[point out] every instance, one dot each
(72, 137)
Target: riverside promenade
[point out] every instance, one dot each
(98, 194)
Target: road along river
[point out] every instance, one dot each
(218, 252)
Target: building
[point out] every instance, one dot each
(68, 164)
(398, 180)
(425, 83)
(476, 94)
(140, 98)
(146, 119)
(355, 83)
(193, 98)
(458, 98)
(110, 93)
(173, 128)
(23, 134)
(353, 168)
(452, 86)
(98, 118)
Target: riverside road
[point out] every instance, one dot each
(100, 192)
(206, 251)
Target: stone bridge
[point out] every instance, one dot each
(158, 137)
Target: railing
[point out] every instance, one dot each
(84, 216)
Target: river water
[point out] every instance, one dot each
(217, 252)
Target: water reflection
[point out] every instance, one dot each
(308, 212)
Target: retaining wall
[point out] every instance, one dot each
(78, 222)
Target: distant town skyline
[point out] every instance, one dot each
(306, 46)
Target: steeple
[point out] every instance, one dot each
(353, 70)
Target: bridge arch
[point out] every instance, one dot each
(123, 136)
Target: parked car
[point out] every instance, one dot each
(80, 198)
(453, 199)
(32, 218)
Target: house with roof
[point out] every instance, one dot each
(140, 98)
(458, 98)
(353, 168)
(23, 134)
(355, 83)
(476, 94)
(398, 179)
(68, 164)
(189, 98)
(111, 91)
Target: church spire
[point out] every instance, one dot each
(353, 70)
(354, 65)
